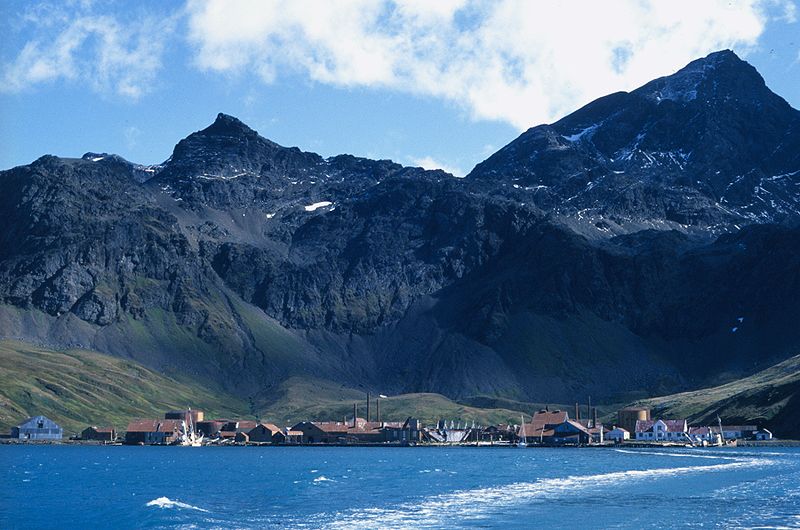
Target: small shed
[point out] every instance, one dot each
(618, 434)
(104, 434)
(241, 438)
(37, 428)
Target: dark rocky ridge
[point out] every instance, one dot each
(244, 262)
(704, 150)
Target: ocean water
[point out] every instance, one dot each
(345, 487)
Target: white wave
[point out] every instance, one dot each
(474, 505)
(323, 478)
(165, 502)
(712, 456)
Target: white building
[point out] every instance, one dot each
(662, 430)
(618, 434)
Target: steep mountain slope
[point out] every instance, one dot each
(245, 263)
(701, 150)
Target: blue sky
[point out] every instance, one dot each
(438, 84)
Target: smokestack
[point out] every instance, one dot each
(378, 408)
(589, 408)
(577, 412)
(355, 414)
(368, 417)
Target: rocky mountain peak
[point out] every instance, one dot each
(720, 75)
(228, 148)
(709, 147)
(227, 125)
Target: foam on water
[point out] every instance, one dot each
(711, 456)
(476, 504)
(165, 502)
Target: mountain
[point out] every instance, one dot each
(703, 150)
(587, 257)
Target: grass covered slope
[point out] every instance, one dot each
(298, 399)
(77, 388)
(770, 398)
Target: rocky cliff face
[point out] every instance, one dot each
(644, 243)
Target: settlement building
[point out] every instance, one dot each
(149, 432)
(662, 430)
(231, 428)
(542, 423)
(103, 434)
(731, 432)
(763, 434)
(357, 431)
(618, 434)
(570, 432)
(37, 428)
(288, 436)
(263, 433)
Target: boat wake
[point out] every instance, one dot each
(477, 504)
(165, 502)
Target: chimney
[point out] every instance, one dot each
(589, 408)
(378, 408)
(368, 417)
(577, 412)
(355, 415)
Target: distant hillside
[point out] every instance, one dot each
(298, 399)
(77, 388)
(770, 399)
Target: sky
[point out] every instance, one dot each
(438, 84)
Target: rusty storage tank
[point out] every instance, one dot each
(627, 417)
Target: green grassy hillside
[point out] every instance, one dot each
(770, 398)
(77, 388)
(298, 399)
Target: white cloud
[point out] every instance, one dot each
(511, 60)
(428, 162)
(97, 50)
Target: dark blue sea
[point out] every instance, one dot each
(340, 487)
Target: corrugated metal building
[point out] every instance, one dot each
(37, 428)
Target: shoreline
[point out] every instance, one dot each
(630, 445)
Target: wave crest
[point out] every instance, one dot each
(166, 502)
